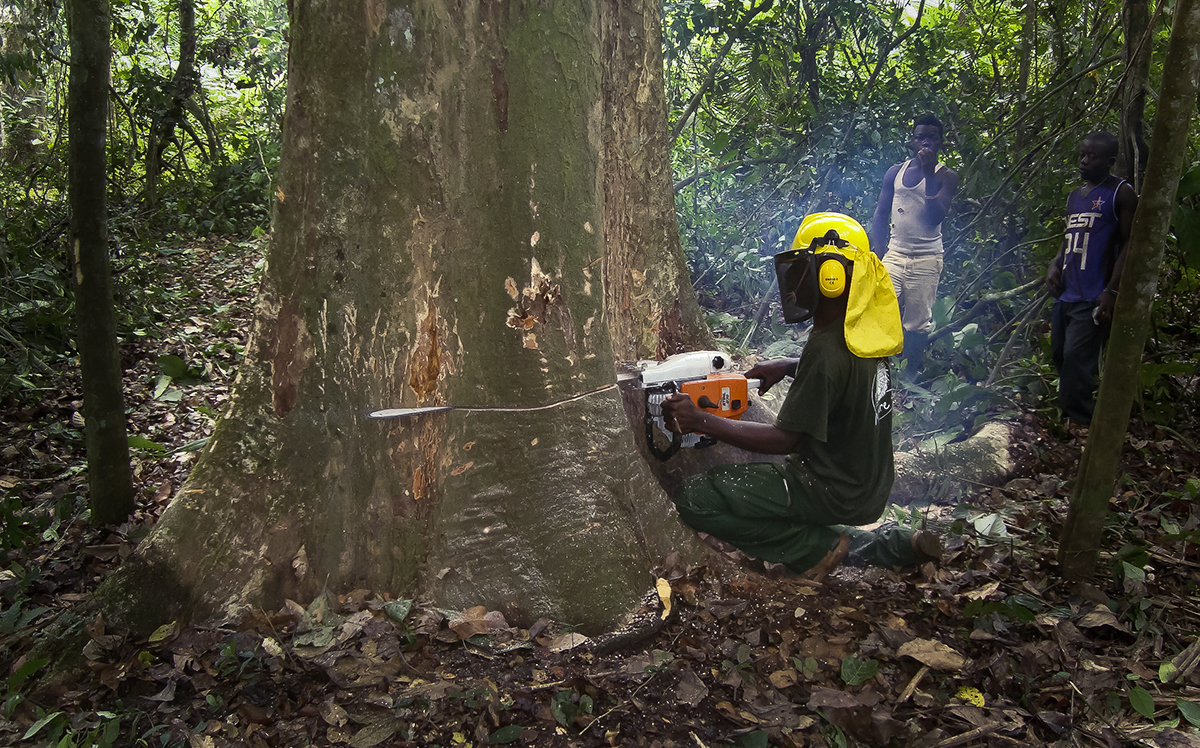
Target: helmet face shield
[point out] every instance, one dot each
(798, 288)
(801, 277)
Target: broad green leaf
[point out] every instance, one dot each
(319, 637)
(942, 309)
(743, 654)
(1135, 573)
(22, 674)
(992, 526)
(1190, 711)
(398, 610)
(195, 445)
(36, 727)
(138, 442)
(1186, 223)
(561, 708)
(173, 366)
(856, 672)
(756, 739)
(1150, 373)
(506, 734)
(1189, 184)
(1141, 700)
(164, 632)
(161, 384)
(1167, 672)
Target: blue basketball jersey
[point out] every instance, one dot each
(1092, 239)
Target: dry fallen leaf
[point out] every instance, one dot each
(567, 641)
(1101, 616)
(982, 592)
(332, 713)
(300, 563)
(372, 735)
(664, 594)
(690, 689)
(932, 653)
(830, 698)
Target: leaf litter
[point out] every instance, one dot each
(991, 647)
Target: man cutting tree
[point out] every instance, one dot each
(835, 425)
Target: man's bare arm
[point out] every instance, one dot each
(681, 414)
(1054, 273)
(938, 204)
(882, 220)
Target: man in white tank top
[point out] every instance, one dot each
(907, 231)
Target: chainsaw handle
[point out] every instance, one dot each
(662, 454)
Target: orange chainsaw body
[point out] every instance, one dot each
(723, 394)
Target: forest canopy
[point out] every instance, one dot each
(783, 108)
(777, 108)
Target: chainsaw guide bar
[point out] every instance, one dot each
(408, 412)
(705, 377)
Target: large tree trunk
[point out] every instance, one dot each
(459, 221)
(110, 484)
(1101, 459)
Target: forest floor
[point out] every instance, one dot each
(989, 647)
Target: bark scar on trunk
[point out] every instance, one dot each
(670, 333)
(293, 352)
(424, 363)
(533, 304)
(376, 14)
(500, 95)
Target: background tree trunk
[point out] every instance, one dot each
(1135, 20)
(459, 221)
(1028, 47)
(652, 308)
(1118, 386)
(110, 483)
(178, 101)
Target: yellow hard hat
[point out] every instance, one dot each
(831, 230)
(872, 325)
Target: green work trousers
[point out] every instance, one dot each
(751, 507)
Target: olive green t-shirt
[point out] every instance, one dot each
(841, 405)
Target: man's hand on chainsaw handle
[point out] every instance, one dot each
(769, 373)
(681, 415)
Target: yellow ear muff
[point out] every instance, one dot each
(832, 279)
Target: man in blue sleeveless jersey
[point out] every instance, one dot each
(1085, 274)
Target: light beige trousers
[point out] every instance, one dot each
(916, 281)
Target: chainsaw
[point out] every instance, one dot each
(703, 376)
